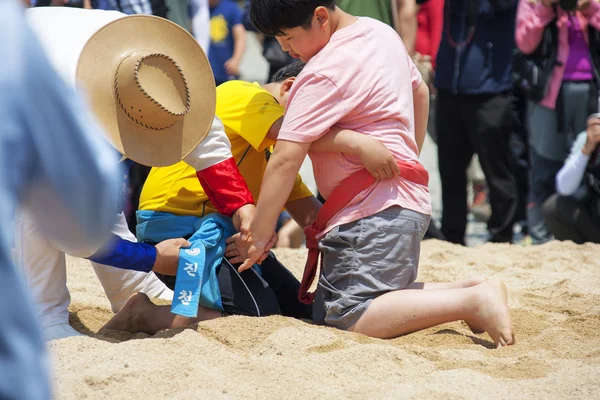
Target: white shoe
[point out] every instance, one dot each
(59, 331)
(166, 294)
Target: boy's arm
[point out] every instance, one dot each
(239, 44)
(124, 254)
(405, 21)
(304, 211)
(376, 158)
(278, 180)
(421, 104)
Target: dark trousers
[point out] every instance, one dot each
(248, 293)
(481, 124)
(568, 218)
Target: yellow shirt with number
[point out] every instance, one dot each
(247, 111)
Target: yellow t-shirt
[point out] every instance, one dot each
(248, 112)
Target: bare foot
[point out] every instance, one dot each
(469, 282)
(128, 319)
(492, 313)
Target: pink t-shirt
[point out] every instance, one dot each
(363, 80)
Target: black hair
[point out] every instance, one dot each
(271, 17)
(289, 71)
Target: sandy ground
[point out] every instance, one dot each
(555, 301)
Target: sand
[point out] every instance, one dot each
(554, 294)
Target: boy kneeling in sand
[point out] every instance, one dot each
(370, 232)
(251, 116)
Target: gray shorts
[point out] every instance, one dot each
(365, 259)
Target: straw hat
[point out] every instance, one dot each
(150, 86)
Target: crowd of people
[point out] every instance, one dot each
(509, 134)
(514, 82)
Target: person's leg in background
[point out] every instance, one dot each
(569, 219)
(520, 149)
(550, 145)
(120, 284)
(489, 124)
(547, 153)
(454, 155)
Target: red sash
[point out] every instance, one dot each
(350, 187)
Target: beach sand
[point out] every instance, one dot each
(554, 294)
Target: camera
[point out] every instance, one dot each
(568, 5)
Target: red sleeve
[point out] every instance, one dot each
(225, 187)
(435, 8)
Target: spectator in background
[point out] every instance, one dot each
(570, 96)
(200, 23)
(474, 111)
(574, 213)
(227, 40)
(125, 6)
(54, 156)
(430, 21)
(178, 11)
(272, 52)
(399, 14)
(65, 3)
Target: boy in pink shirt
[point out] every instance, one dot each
(357, 78)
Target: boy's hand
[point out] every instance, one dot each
(242, 218)
(232, 66)
(237, 249)
(378, 159)
(593, 136)
(256, 250)
(167, 256)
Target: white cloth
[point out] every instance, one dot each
(201, 23)
(43, 264)
(214, 149)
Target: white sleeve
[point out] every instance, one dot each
(570, 175)
(215, 148)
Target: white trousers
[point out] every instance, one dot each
(42, 262)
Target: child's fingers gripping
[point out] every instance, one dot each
(271, 243)
(263, 257)
(395, 169)
(247, 264)
(232, 253)
(233, 238)
(375, 173)
(236, 260)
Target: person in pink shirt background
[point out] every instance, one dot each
(571, 95)
(371, 247)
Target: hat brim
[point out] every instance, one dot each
(96, 72)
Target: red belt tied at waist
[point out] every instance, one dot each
(350, 187)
